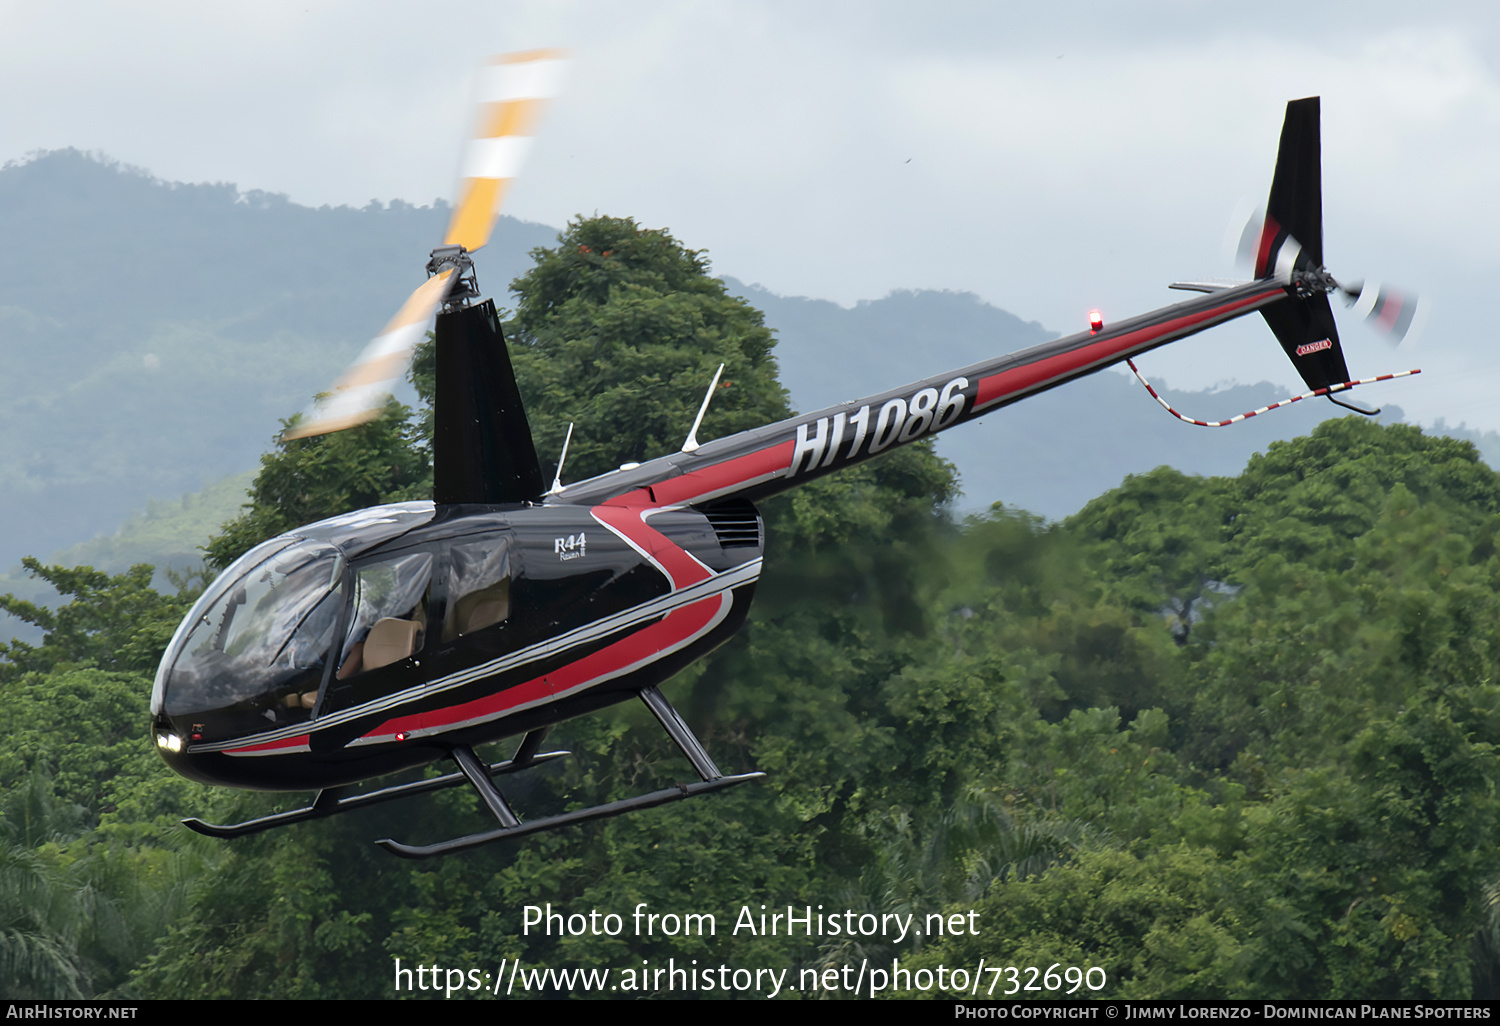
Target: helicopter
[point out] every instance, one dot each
(403, 635)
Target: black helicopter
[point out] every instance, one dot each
(405, 634)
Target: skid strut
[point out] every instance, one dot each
(333, 800)
(474, 770)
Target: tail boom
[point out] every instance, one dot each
(765, 461)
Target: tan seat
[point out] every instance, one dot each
(478, 610)
(389, 641)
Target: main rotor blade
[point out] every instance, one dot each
(514, 88)
(359, 395)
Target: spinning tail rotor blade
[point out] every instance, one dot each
(360, 394)
(1248, 242)
(514, 88)
(1399, 315)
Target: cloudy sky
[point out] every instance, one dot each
(1049, 158)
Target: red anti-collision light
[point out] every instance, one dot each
(1096, 322)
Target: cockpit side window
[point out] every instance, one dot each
(388, 621)
(478, 587)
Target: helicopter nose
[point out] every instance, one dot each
(172, 746)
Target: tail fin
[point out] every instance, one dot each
(1292, 239)
(1296, 204)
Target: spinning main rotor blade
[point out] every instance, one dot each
(514, 88)
(360, 394)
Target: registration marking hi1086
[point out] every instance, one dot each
(902, 419)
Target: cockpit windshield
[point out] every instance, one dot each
(259, 647)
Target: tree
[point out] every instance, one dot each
(114, 623)
(1159, 540)
(618, 330)
(304, 480)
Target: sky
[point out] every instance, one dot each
(1049, 158)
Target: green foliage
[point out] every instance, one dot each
(1218, 737)
(619, 329)
(1311, 815)
(1162, 924)
(115, 623)
(1159, 541)
(308, 479)
(80, 907)
(1372, 880)
(1302, 500)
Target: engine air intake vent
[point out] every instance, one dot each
(736, 523)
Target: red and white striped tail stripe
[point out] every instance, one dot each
(1329, 390)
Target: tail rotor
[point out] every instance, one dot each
(1285, 244)
(1289, 244)
(1394, 313)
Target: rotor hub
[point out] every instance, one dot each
(1311, 281)
(465, 286)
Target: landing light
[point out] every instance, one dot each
(1096, 322)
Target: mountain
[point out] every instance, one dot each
(152, 334)
(167, 535)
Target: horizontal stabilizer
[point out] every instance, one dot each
(1208, 284)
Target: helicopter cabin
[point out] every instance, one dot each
(362, 613)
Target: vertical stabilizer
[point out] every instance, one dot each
(482, 446)
(1292, 240)
(1296, 203)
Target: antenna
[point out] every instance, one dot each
(691, 445)
(557, 485)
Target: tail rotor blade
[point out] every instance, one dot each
(513, 92)
(1397, 314)
(359, 395)
(1249, 240)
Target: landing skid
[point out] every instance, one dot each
(479, 775)
(645, 801)
(510, 824)
(333, 800)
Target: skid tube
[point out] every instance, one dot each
(333, 800)
(473, 768)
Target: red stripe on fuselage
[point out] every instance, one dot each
(627, 521)
(741, 470)
(1021, 379)
(624, 514)
(678, 626)
(299, 742)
